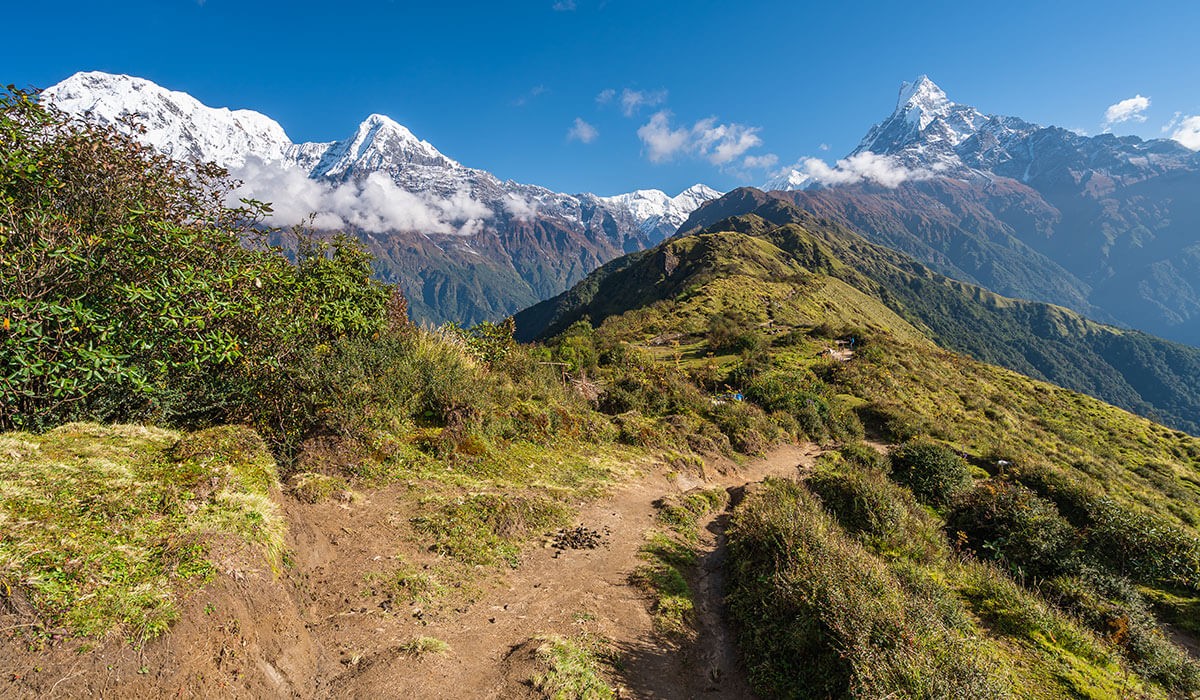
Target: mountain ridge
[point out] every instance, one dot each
(1138, 372)
(1104, 225)
(437, 227)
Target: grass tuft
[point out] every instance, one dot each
(570, 669)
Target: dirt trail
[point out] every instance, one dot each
(329, 629)
(566, 593)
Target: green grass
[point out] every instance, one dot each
(425, 646)
(671, 556)
(682, 513)
(864, 597)
(313, 487)
(821, 613)
(489, 528)
(105, 527)
(571, 669)
(664, 576)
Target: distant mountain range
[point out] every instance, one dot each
(463, 244)
(1106, 225)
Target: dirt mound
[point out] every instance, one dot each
(241, 636)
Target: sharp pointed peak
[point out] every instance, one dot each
(921, 93)
(701, 189)
(382, 122)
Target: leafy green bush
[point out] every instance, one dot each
(129, 292)
(883, 515)
(731, 331)
(1013, 526)
(1125, 538)
(934, 472)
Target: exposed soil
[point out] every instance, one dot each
(329, 631)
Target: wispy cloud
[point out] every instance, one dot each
(1131, 109)
(634, 100)
(520, 208)
(605, 96)
(1185, 130)
(719, 144)
(763, 162)
(375, 204)
(861, 167)
(564, 6)
(582, 131)
(534, 92)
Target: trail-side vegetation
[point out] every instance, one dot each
(104, 527)
(1020, 539)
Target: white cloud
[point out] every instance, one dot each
(605, 96)
(633, 100)
(719, 144)
(520, 208)
(1187, 131)
(762, 162)
(661, 141)
(824, 147)
(1127, 110)
(862, 167)
(582, 131)
(564, 6)
(375, 204)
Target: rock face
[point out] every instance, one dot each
(1106, 225)
(463, 244)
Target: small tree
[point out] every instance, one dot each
(128, 291)
(933, 472)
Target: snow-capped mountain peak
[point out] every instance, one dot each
(379, 144)
(924, 115)
(420, 178)
(656, 210)
(922, 101)
(176, 123)
(929, 135)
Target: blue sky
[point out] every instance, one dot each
(499, 85)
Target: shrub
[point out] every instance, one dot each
(730, 331)
(820, 617)
(748, 429)
(128, 292)
(1121, 536)
(883, 515)
(934, 472)
(1013, 526)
